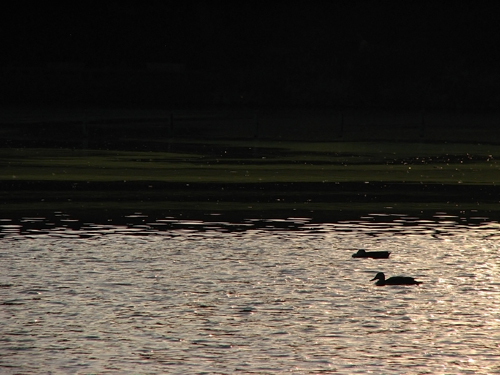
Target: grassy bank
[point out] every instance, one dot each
(261, 162)
(255, 177)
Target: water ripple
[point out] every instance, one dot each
(260, 296)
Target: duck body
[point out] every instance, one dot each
(371, 254)
(394, 280)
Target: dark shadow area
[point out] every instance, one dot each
(340, 55)
(141, 77)
(327, 202)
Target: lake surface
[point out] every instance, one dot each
(167, 295)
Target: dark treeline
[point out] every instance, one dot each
(338, 54)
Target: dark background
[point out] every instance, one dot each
(333, 54)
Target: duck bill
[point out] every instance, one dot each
(373, 279)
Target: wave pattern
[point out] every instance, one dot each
(259, 296)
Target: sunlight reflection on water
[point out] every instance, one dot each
(259, 296)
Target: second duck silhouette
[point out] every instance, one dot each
(394, 280)
(362, 253)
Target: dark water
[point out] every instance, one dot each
(149, 295)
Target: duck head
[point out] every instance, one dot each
(379, 276)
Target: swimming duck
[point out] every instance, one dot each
(371, 254)
(394, 280)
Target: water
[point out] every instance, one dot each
(254, 297)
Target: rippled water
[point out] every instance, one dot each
(258, 296)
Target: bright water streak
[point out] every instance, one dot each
(260, 300)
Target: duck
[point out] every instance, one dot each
(362, 253)
(394, 280)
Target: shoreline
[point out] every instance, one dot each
(333, 201)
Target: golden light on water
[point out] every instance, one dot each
(273, 294)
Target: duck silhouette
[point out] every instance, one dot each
(362, 253)
(394, 280)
